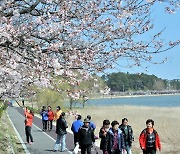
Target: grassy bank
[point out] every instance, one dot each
(8, 138)
(167, 123)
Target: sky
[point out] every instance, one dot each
(171, 68)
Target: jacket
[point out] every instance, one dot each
(29, 119)
(57, 114)
(92, 125)
(61, 126)
(86, 136)
(130, 137)
(50, 115)
(121, 144)
(76, 125)
(44, 115)
(104, 139)
(143, 138)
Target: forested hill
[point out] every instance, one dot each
(135, 82)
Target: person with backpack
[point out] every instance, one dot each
(50, 118)
(128, 134)
(75, 128)
(29, 115)
(61, 126)
(44, 114)
(86, 137)
(103, 134)
(115, 143)
(149, 139)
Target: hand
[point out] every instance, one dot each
(124, 150)
(77, 143)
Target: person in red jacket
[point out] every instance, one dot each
(149, 139)
(28, 124)
(50, 118)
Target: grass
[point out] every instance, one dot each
(167, 123)
(8, 137)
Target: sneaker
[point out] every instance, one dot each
(55, 150)
(31, 142)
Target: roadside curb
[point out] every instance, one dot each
(21, 141)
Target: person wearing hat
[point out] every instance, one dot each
(86, 137)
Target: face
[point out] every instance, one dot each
(125, 123)
(86, 124)
(49, 108)
(149, 125)
(116, 127)
(106, 127)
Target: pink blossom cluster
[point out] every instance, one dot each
(40, 39)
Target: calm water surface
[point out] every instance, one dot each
(159, 101)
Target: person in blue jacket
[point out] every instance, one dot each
(44, 114)
(92, 125)
(75, 128)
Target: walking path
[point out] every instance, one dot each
(43, 141)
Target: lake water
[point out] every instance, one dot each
(159, 101)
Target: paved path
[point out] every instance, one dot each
(43, 141)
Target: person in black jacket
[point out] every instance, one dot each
(86, 137)
(128, 134)
(104, 136)
(61, 126)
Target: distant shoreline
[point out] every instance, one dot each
(134, 96)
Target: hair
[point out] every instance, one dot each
(114, 123)
(89, 117)
(58, 107)
(31, 112)
(124, 119)
(106, 122)
(79, 117)
(63, 114)
(150, 121)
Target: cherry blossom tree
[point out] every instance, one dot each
(40, 39)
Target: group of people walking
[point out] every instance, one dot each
(115, 138)
(118, 139)
(48, 116)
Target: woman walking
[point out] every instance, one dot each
(149, 139)
(50, 118)
(44, 114)
(103, 134)
(61, 126)
(128, 135)
(28, 124)
(116, 140)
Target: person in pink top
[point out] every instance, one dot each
(50, 118)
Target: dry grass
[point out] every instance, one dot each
(167, 123)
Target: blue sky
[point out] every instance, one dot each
(171, 68)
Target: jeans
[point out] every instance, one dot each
(128, 149)
(28, 134)
(50, 124)
(61, 140)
